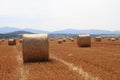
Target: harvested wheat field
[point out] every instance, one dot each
(8, 62)
(102, 59)
(67, 61)
(14, 69)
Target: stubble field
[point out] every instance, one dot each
(67, 61)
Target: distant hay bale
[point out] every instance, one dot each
(72, 39)
(35, 47)
(113, 39)
(59, 41)
(11, 42)
(64, 39)
(0, 41)
(52, 39)
(98, 39)
(84, 40)
(108, 39)
(117, 38)
(20, 40)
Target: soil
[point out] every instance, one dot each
(101, 60)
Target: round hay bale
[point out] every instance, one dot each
(35, 47)
(20, 40)
(59, 41)
(84, 40)
(108, 39)
(72, 39)
(117, 38)
(52, 39)
(0, 41)
(3, 40)
(113, 39)
(98, 39)
(64, 39)
(11, 42)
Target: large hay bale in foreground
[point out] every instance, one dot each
(84, 40)
(11, 42)
(98, 39)
(35, 47)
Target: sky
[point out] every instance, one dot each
(51, 15)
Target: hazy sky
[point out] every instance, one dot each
(60, 14)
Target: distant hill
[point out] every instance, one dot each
(18, 33)
(11, 30)
(5, 30)
(34, 30)
(67, 31)
(8, 29)
(15, 34)
(91, 31)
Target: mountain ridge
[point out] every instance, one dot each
(5, 30)
(8, 30)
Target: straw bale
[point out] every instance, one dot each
(35, 47)
(59, 41)
(64, 39)
(98, 39)
(52, 39)
(84, 40)
(72, 39)
(0, 41)
(3, 40)
(20, 40)
(113, 39)
(11, 42)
